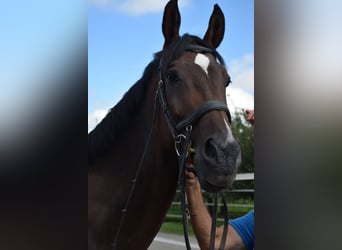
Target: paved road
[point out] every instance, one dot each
(171, 242)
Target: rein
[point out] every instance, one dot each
(134, 180)
(181, 134)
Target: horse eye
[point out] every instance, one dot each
(172, 76)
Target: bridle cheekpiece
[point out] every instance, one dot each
(181, 133)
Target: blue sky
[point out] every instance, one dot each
(123, 35)
(39, 39)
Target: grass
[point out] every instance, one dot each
(174, 225)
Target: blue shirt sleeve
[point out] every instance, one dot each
(244, 226)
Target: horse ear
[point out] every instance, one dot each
(215, 31)
(171, 22)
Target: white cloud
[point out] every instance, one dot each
(135, 7)
(238, 99)
(95, 118)
(138, 7)
(242, 73)
(240, 94)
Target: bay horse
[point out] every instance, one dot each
(132, 172)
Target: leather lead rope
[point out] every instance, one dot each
(225, 227)
(181, 183)
(213, 225)
(184, 207)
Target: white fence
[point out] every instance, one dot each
(239, 177)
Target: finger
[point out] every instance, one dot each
(189, 175)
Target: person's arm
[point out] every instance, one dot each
(201, 220)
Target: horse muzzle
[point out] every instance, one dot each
(217, 162)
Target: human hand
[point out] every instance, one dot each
(190, 176)
(250, 116)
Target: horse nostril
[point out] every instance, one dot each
(210, 149)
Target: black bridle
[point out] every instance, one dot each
(181, 133)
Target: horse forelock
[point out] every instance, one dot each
(176, 49)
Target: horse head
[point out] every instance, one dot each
(193, 74)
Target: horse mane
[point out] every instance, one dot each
(103, 136)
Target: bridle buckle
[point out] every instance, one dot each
(179, 147)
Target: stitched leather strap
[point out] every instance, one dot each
(205, 108)
(225, 227)
(175, 128)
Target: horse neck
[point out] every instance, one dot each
(111, 178)
(157, 180)
(161, 157)
(159, 162)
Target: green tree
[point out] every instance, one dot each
(244, 133)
